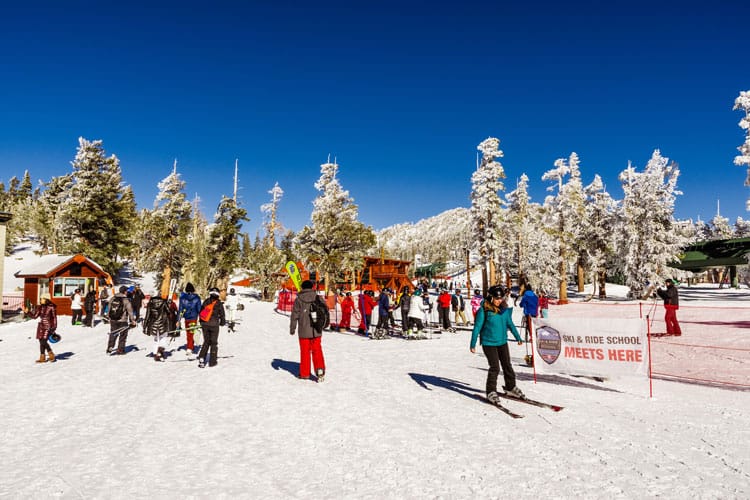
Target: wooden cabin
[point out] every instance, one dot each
(59, 276)
(380, 273)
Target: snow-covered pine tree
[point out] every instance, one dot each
(486, 204)
(224, 243)
(164, 231)
(743, 159)
(542, 269)
(720, 228)
(266, 259)
(270, 209)
(565, 215)
(335, 233)
(598, 232)
(519, 224)
(96, 216)
(21, 203)
(741, 228)
(44, 220)
(198, 264)
(649, 238)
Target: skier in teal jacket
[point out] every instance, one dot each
(493, 320)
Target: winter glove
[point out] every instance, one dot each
(222, 323)
(291, 333)
(132, 325)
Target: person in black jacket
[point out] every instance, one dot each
(89, 303)
(160, 322)
(119, 326)
(210, 324)
(137, 301)
(671, 304)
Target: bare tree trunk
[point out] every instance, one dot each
(602, 284)
(493, 273)
(563, 294)
(468, 274)
(579, 270)
(484, 277)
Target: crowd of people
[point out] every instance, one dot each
(491, 317)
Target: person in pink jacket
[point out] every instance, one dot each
(476, 302)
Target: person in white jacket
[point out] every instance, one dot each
(417, 310)
(230, 305)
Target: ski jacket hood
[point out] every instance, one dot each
(492, 328)
(190, 305)
(299, 321)
(530, 303)
(159, 318)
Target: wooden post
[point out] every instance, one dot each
(4, 217)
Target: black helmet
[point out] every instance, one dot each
(231, 291)
(496, 292)
(476, 291)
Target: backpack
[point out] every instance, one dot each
(116, 309)
(207, 311)
(319, 316)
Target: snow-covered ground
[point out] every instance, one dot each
(393, 419)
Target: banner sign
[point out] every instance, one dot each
(596, 347)
(293, 271)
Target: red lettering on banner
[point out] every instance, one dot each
(627, 355)
(583, 353)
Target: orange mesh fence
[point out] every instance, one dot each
(713, 349)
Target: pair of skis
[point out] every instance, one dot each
(532, 402)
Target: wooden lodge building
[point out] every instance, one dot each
(60, 275)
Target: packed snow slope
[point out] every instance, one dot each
(393, 419)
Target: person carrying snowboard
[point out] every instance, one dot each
(494, 319)
(190, 308)
(309, 338)
(47, 314)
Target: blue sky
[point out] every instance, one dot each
(400, 93)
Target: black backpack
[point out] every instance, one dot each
(319, 316)
(116, 308)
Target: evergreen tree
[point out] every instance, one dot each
(266, 261)
(270, 221)
(486, 204)
(649, 237)
(164, 232)
(743, 159)
(287, 245)
(598, 232)
(565, 213)
(519, 227)
(97, 215)
(335, 233)
(741, 228)
(720, 228)
(45, 221)
(223, 242)
(198, 264)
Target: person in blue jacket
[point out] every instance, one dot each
(190, 307)
(530, 305)
(493, 320)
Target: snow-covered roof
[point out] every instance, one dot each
(48, 264)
